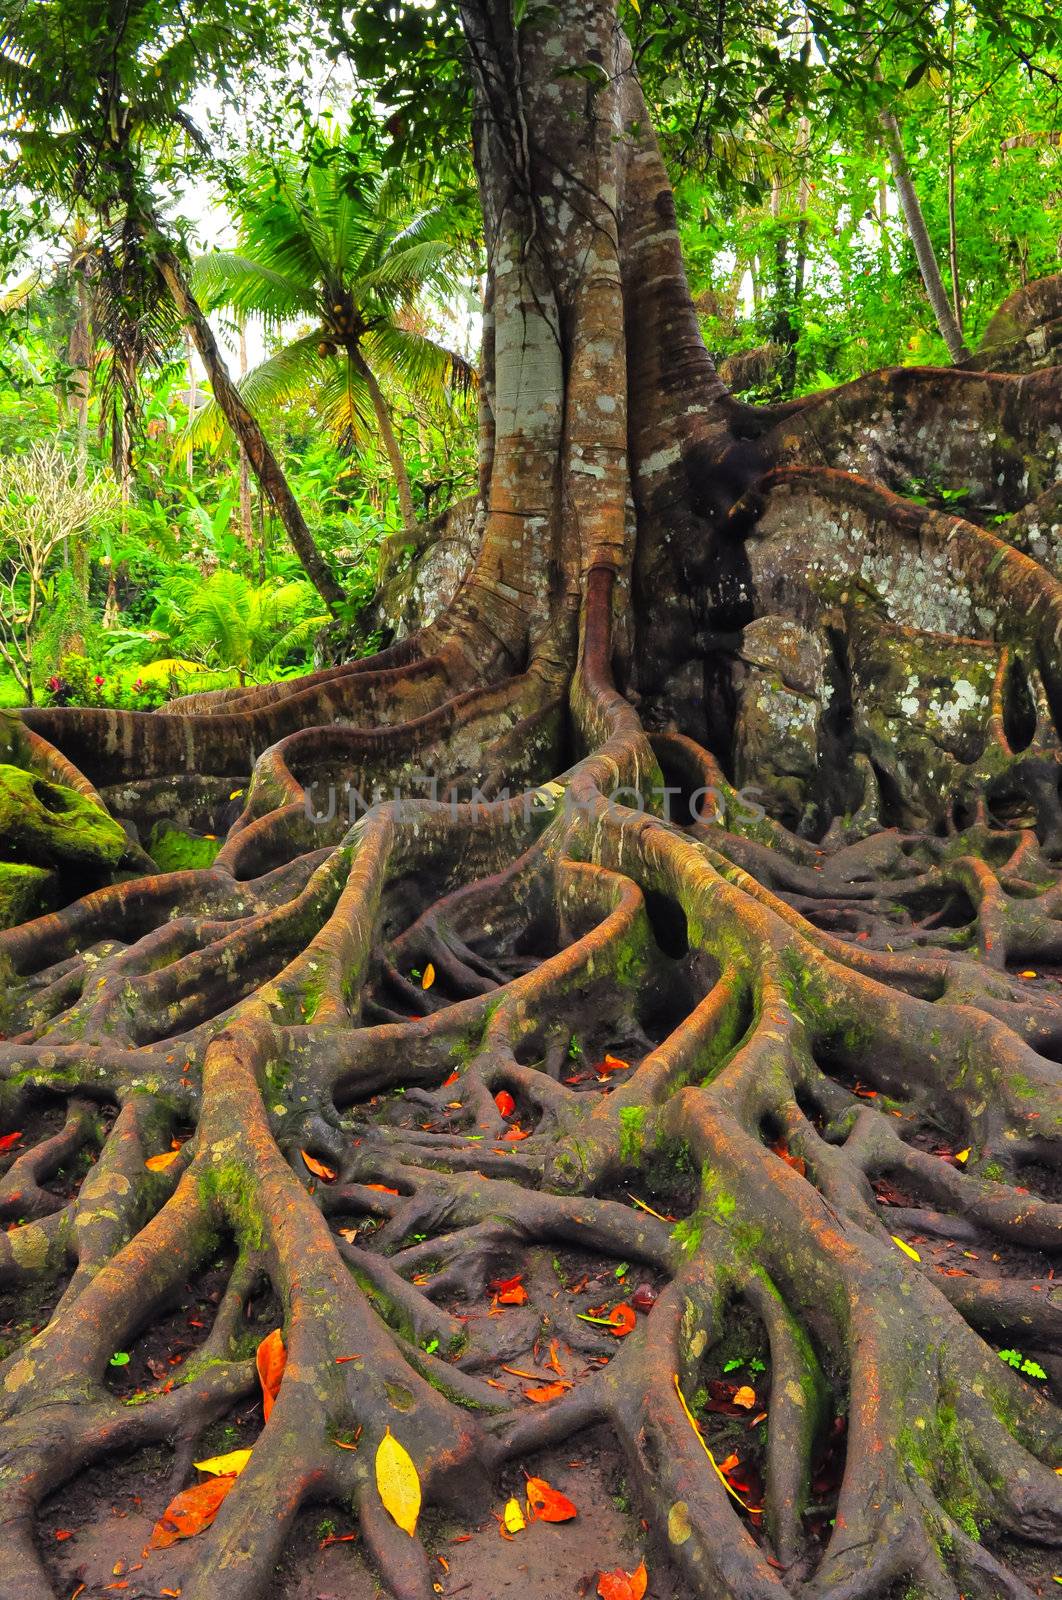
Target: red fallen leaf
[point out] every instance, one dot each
(336, 1538)
(611, 1064)
(451, 1079)
(864, 1093)
(318, 1168)
(620, 1585)
(621, 1319)
(500, 1285)
(955, 1272)
(505, 1102)
(381, 1188)
(516, 1296)
(189, 1512)
(270, 1359)
(9, 1140)
(516, 1133)
(796, 1162)
(64, 1533)
(546, 1504)
(548, 1391)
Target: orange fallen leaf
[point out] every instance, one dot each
(172, 1594)
(612, 1064)
(270, 1359)
(189, 1512)
(64, 1533)
(318, 1168)
(515, 1133)
(513, 1297)
(745, 1396)
(429, 977)
(505, 1102)
(620, 1585)
(381, 1188)
(332, 1538)
(9, 1140)
(159, 1163)
(451, 1079)
(548, 1391)
(555, 1361)
(546, 1504)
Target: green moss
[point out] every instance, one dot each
(632, 1133)
(25, 892)
(228, 1188)
(173, 850)
(47, 824)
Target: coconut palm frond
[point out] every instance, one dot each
(225, 278)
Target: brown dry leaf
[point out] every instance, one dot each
(189, 1512)
(270, 1359)
(318, 1168)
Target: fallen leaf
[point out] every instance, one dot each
(612, 1064)
(516, 1132)
(189, 1512)
(349, 1234)
(270, 1359)
(513, 1517)
(227, 1466)
(555, 1362)
(695, 1425)
(397, 1482)
(962, 1156)
(318, 1168)
(64, 1533)
(546, 1504)
(548, 1391)
(1029, 973)
(513, 1297)
(620, 1585)
(381, 1188)
(161, 1162)
(9, 1140)
(505, 1103)
(336, 1538)
(906, 1248)
(429, 977)
(745, 1397)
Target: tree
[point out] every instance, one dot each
(328, 236)
(47, 506)
(823, 1053)
(97, 102)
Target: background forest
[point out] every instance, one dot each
(835, 219)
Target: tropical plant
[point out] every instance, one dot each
(45, 504)
(224, 620)
(331, 237)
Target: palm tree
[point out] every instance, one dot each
(334, 239)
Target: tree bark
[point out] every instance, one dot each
(264, 463)
(246, 524)
(420, 1082)
(949, 328)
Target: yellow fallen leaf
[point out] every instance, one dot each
(732, 1492)
(159, 1163)
(962, 1156)
(906, 1248)
(745, 1396)
(397, 1483)
(429, 977)
(514, 1518)
(1031, 974)
(236, 793)
(227, 1466)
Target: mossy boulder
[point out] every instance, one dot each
(47, 825)
(25, 892)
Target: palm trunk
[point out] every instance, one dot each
(923, 248)
(266, 467)
(387, 434)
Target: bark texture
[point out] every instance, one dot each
(830, 1064)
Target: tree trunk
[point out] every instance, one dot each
(266, 467)
(702, 1105)
(387, 434)
(950, 331)
(246, 523)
